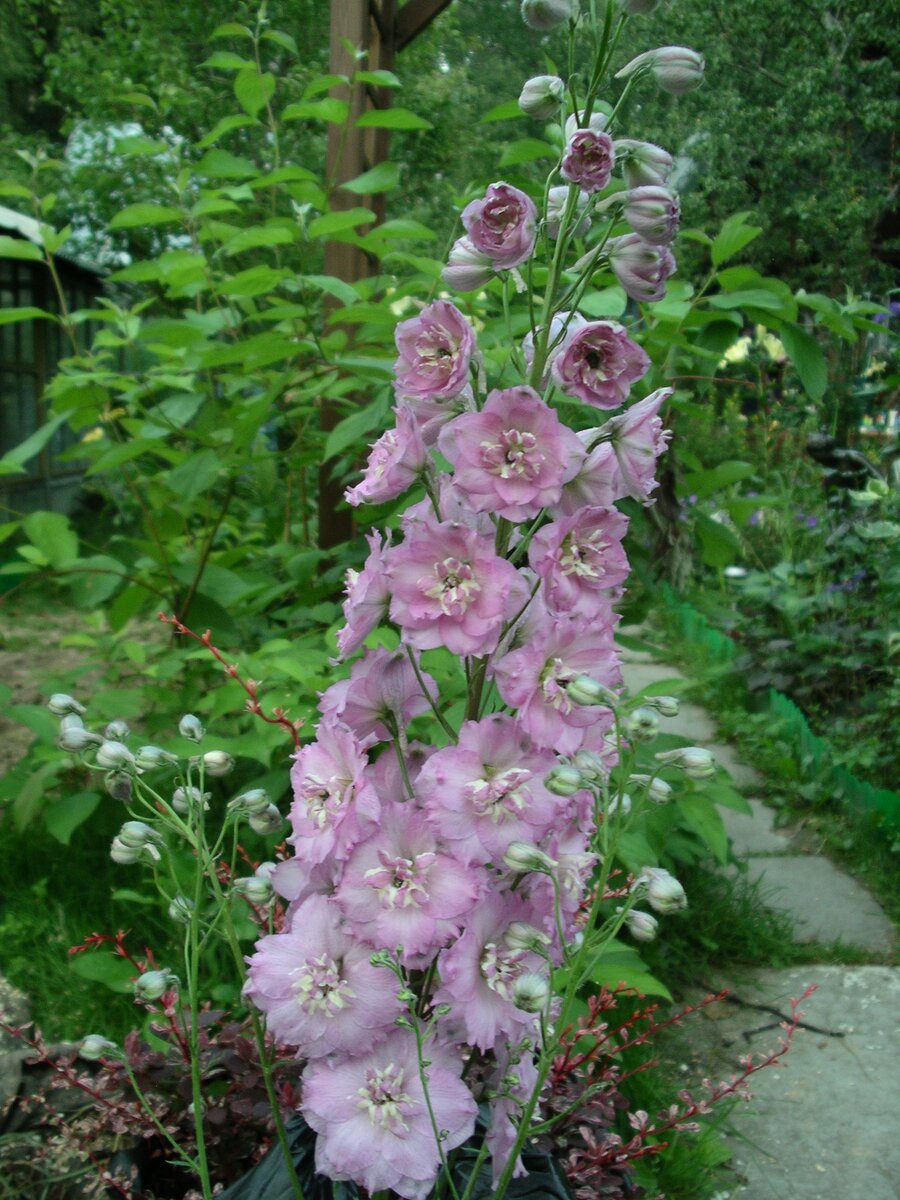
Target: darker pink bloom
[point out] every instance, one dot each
(381, 696)
(450, 589)
(371, 1115)
(513, 457)
(366, 598)
(653, 213)
(641, 269)
(502, 225)
(638, 439)
(580, 558)
(436, 349)
(597, 482)
(395, 462)
(589, 159)
(598, 364)
(334, 805)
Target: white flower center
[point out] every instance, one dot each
(553, 680)
(383, 1099)
(456, 586)
(500, 795)
(325, 798)
(319, 987)
(514, 453)
(401, 882)
(501, 968)
(583, 556)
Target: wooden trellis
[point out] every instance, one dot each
(379, 28)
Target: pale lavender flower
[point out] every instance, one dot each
(579, 558)
(436, 348)
(372, 1117)
(557, 201)
(588, 160)
(381, 696)
(513, 457)
(395, 462)
(598, 363)
(638, 439)
(597, 482)
(366, 598)
(640, 268)
(676, 69)
(502, 225)
(467, 267)
(334, 804)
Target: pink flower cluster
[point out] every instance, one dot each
(420, 890)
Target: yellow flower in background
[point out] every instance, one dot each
(737, 352)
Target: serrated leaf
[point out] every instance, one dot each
(806, 355)
(225, 125)
(506, 111)
(52, 535)
(380, 179)
(136, 215)
(227, 60)
(734, 235)
(19, 248)
(527, 150)
(340, 222)
(64, 817)
(254, 89)
(257, 236)
(392, 118)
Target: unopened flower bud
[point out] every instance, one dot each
(153, 984)
(125, 855)
(115, 756)
(642, 725)
(184, 799)
(676, 69)
(542, 96)
(467, 268)
(641, 268)
(73, 736)
(62, 705)
(531, 992)
(546, 14)
(189, 727)
(664, 893)
(657, 789)
(620, 803)
(256, 801)
(255, 889)
(557, 202)
(149, 757)
(522, 856)
(654, 213)
(268, 821)
(520, 935)
(134, 839)
(94, 1046)
(136, 833)
(695, 761)
(119, 785)
(585, 690)
(116, 731)
(181, 909)
(562, 780)
(217, 762)
(643, 164)
(642, 926)
(591, 765)
(666, 706)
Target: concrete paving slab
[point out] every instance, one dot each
(744, 777)
(825, 904)
(692, 722)
(641, 675)
(822, 1123)
(754, 833)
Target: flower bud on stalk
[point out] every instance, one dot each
(119, 785)
(115, 756)
(153, 984)
(643, 164)
(591, 766)
(520, 935)
(268, 821)
(180, 909)
(467, 268)
(695, 761)
(676, 69)
(666, 706)
(563, 780)
(522, 856)
(189, 727)
(664, 893)
(547, 14)
(253, 802)
(642, 926)
(622, 802)
(257, 888)
(542, 96)
(62, 705)
(584, 690)
(657, 789)
(654, 213)
(186, 798)
(557, 201)
(134, 839)
(530, 993)
(217, 762)
(73, 736)
(116, 731)
(642, 725)
(94, 1046)
(641, 268)
(149, 757)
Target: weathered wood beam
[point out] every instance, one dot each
(414, 17)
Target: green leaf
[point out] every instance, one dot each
(734, 235)
(55, 239)
(136, 215)
(230, 29)
(617, 963)
(222, 164)
(702, 818)
(340, 222)
(64, 817)
(751, 298)
(254, 89)
(392, 118)
(380, 179)
(331, 286)
(51, 534)
(527, 150)
(30, 313)
(16, 189)
(718, 545)
(329, 109)
(103, 967)
(256, 236)
(806, 355)
(608, 302)
(284, 40)
(197, 473)
(354, 427)
(226, 60)
(706, 483)
(506, 111)
(97, 578)
(16, 458)
(223, 126)
(19, 248)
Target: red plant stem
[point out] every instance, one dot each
(278, 717)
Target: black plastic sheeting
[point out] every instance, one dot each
(268, 1180)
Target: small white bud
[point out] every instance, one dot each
(545, 14)
(115, 756)
(180, 909)
(94, 1046)
(642, 725)
(585, 690)
(268, 821)
(520, 935)
(542, 96)
(149, 757)
(255, 889)
(186, 798)
(62, 705)
(619, 803)
(119, 785)
(591, 765)
(666, 706)
(695, 761)
(75, 738)
(189, 727)
(664, 893)
(522, 856)
(657, 789)
(563, 780)
(642, 926)
(153, 984)
(256, 801)
(134, 839)
(116, 731)
(531, 992)
(136, 833)
(217, 762)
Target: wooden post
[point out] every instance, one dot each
(379, 29)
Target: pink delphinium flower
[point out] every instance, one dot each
(640, 268)
(597, 482)
(588, 160)
(453, 505)
(334, 804)
(488, 790)
(579, 558)
(533, 677)
(638, 439)
(317, 987)
(395, 462)
(372, 1117)
(478, 973)
(653, 213)
(366, 598)
(382, 695)
(563, 325)
(598, 364)
(450, 589)
(513, 457)
(502, 225)
(507, 1107)
(400, 888)
(436, 348)
(643, 164)
(467, 268)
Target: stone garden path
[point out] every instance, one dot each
(825, 1123)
